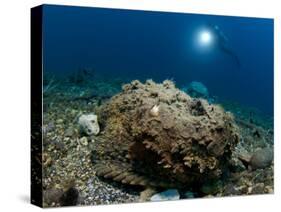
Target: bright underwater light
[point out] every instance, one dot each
(205, 37)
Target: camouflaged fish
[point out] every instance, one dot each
(155, 135)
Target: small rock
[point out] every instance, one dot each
(69, 132)
(230, 190)
(52, 196)
(188, 195)
(261, 158)
(146, 194)
(250, 188)
(46, 159)
(70, 197)
(258, 189)
(59, 145)
(170, 194)
(84, 141)
(48, 127)
(268, 189)
(73, 112)
(59, 121)
(88, 124)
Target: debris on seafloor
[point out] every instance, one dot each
(70, 197)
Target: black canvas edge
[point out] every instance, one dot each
(36, 105)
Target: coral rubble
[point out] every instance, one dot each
(156, 135)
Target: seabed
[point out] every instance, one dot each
(69, 177)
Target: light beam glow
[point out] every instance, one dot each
(205, 37)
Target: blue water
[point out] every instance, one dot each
(159, 45)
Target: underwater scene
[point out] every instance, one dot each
(150, 106)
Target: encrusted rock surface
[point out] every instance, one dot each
(156, 135)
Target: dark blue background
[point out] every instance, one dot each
(159, 45)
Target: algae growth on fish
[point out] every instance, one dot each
(174, 108)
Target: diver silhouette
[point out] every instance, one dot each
(221, 41)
